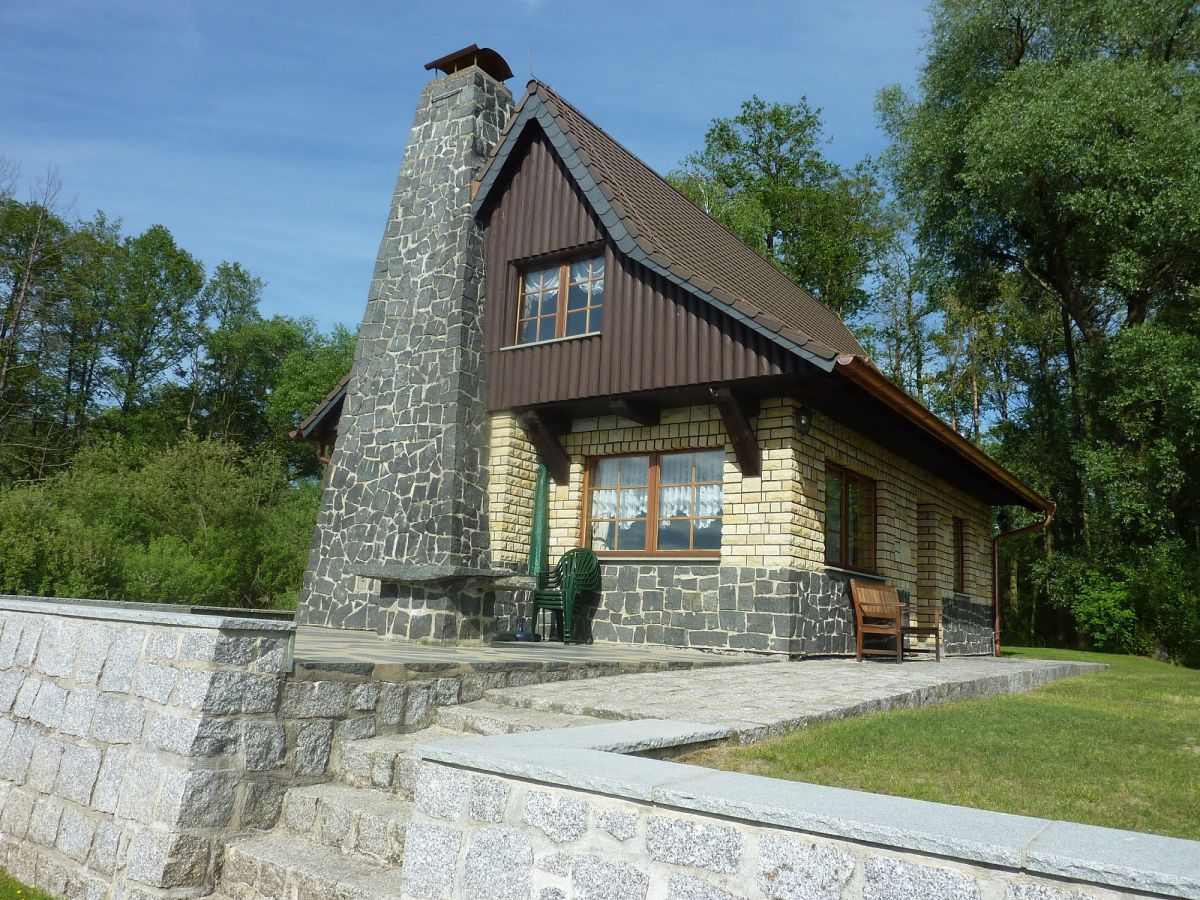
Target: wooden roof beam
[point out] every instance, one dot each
(638, 411)
(735, 413)
(542, 432)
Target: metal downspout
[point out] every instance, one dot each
(539, 538)
(996, 541)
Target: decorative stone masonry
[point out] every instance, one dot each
(570, 817)
(770, 591)
(407, 484)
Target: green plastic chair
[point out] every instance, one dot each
(558, 590)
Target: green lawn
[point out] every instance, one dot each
(14, 890)
(1120, 748)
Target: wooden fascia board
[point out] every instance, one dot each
(874, 382)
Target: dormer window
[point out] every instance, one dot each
(542, 314)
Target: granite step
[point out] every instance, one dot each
(387, 762)
(357, 821)
(281, 864)
(486, 717)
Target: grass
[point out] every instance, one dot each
(1120, 748)
(14, 890)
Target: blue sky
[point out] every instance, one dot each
(270, 133)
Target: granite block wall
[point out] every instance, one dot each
(135, 741)
(129, 747)
(480, 836)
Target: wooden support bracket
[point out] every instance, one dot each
(736, 416)
(544, 435)
(638, 411)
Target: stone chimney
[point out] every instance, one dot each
(406, 494)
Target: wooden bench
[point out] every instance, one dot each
(879, 610)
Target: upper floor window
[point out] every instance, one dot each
(543, 313)
(657, 503)
(849, 519)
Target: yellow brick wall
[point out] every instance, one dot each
(512, 479)
(902, 491)
(771, 521)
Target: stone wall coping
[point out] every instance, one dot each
(142, 613)
(419, 573)
(590, 758)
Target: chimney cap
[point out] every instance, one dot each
(474, 55)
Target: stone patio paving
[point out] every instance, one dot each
(752, 696)
(337, 645)
(759, 701)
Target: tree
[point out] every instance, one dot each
(198, 522)
(34, 245)
(762, 174)
(157, 322)
(240, 371)
(1061, 141)
(304, 379)
(1050, 159)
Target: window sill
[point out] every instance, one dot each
(647, 558)
(855, 573)
(557, 340)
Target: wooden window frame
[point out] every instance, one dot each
(652, 487)
(848, 476)
(959, 539)
(564, 292)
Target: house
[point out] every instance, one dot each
(712, 431)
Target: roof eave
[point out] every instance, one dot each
(870, 379)
(314, 420)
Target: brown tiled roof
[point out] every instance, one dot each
(681, 238)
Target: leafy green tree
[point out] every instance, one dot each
(157, 321)
(240, 371)
(763, 175)
(1061, 141)
(306, 376)
(1051, 159)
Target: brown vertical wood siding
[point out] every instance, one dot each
(655, 335)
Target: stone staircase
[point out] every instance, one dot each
(344, 839)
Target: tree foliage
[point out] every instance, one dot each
(200, 521)
(1049, 162)
(144, 417)
(763, 175)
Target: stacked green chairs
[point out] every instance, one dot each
(560, 589)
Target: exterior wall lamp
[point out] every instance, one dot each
(803, 420)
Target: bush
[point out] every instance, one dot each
(200, 522)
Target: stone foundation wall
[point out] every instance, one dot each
(967, 626)
(706, 606)
(716, 607)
